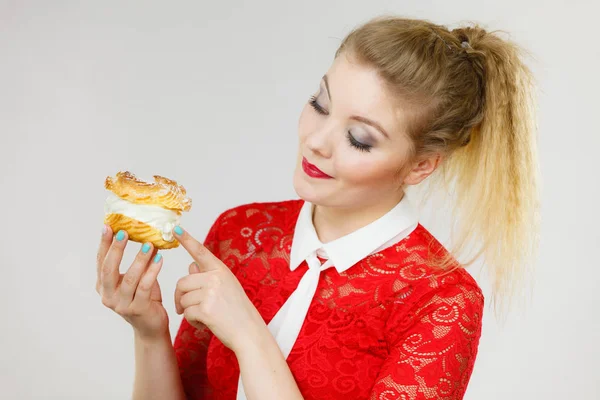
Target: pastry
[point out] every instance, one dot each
(147, 211)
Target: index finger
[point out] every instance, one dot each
(203, 257)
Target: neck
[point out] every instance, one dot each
(332, 223)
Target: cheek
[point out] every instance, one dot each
(365, 169)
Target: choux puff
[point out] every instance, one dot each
(147, 211)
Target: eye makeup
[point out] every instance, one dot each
(357, 144)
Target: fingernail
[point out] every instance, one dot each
(104, 229)
(120, 235)
(157, 258)
(178, 230)
(145, 248)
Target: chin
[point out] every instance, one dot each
(304, 189)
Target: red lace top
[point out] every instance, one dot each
(390, 327)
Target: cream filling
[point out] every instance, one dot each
(157, 217)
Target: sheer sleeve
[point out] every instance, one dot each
(432, 349)
(191, 344)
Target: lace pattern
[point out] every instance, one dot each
(391, 327)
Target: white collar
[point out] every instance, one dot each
(346, 251)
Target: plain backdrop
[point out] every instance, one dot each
(209, 94)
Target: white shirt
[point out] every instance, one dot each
(341, 254)
(346, 251)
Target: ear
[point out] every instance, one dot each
(422, 168)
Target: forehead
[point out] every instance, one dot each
(357, 89)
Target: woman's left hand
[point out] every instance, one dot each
(211, 295)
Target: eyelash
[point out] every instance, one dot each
(353, 142)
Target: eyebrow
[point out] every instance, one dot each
(357, 117)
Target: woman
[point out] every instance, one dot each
(343, 294)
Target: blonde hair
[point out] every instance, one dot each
(470, 98)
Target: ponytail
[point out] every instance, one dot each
(495, 176)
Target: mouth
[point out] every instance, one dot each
(312, 171)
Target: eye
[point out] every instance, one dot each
(316, 106)
(358, 145)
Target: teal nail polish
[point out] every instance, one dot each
(157, 258)
(178, 230)
(145, 248)
(120, 235)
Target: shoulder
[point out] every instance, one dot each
(426, 297)
(258, 213)
(259, 224)
(426, 272)
(428, 253)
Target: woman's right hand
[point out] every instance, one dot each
(135, 295)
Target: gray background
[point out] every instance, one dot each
(209, 93)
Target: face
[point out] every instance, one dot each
(351, 141)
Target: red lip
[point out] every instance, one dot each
(313, 171)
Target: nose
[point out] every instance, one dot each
(319, 141)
